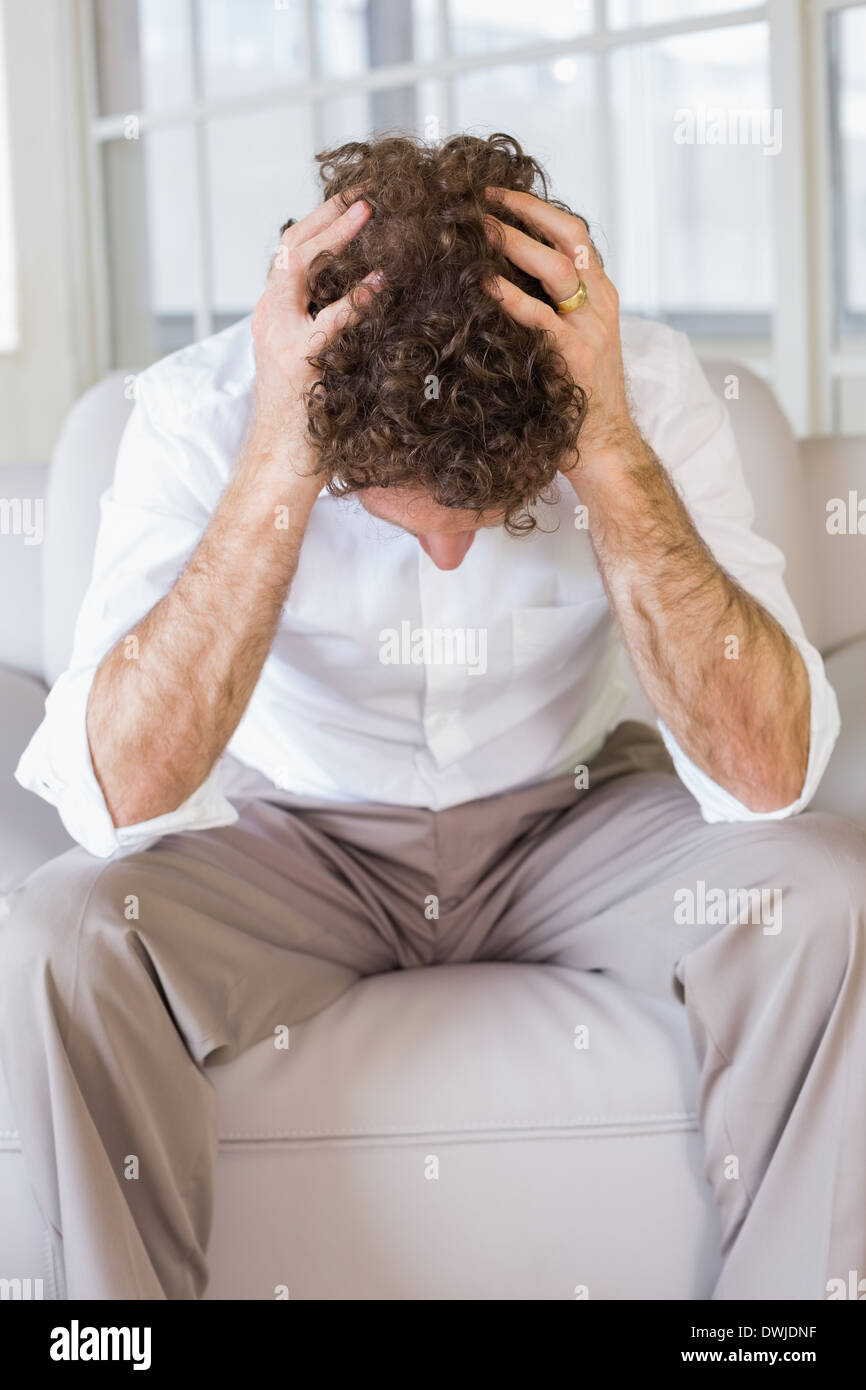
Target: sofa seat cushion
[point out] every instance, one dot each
(416, 1138)
(436, 1134)
(483, 1048)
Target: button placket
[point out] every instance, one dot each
(445, 684)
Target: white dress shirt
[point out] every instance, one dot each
(390, 680)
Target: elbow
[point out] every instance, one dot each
(134, 795)
(140, 801)
(777, 789)
(779, 767)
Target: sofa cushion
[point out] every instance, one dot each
(371, 1065)
(22, 498)
(843, 786)
(436, 1134)
(775, 473)
(30, 829)
(81, 469)
(417, 1138)
(836, 468)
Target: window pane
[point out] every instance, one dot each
(344, 118)
(432, 106)
(693, 174)
(261, 174)
(544, 105)
(247, 45)
(356, 116)
(354, 35)
(848, 42)
(152, 253)
(477, 26)
(143, 55)
(624, 12)
(849, 405)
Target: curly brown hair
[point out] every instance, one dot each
(491, 432)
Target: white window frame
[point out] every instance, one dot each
(798, 358)
(834, 365)
(54, 357)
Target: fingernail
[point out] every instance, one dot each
(358, 209)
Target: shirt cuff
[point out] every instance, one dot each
(56, 765)
(717, 804)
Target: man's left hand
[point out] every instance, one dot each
(588, 338)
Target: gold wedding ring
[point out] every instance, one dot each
(576, 301)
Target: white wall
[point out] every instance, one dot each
(42, 376)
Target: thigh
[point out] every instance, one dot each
(237, 929)
(625, 881)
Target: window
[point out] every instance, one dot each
(846, 56)
(659, 120)
(694, 181)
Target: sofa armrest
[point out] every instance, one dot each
(30, 830)
(22, 529)
(835, 466)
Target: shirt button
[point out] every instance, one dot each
(441, 719)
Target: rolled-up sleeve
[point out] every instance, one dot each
(151, 520)
(694, 439)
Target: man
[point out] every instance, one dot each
(350, 642)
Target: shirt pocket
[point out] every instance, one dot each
(547, 639)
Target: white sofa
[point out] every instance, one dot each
(558, 1170)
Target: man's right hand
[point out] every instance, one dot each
(285, 333)
(156, 726)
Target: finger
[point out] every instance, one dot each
(335, 234)
(347, 310)
(288, 272)
(523, 308)
(320, 218)
(568, 233)
(552, 267)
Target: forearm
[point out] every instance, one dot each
(719, 670)
(168, 697)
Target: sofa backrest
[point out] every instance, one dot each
(83, 465)
(835, 468)
(82, 468)
(775, 472)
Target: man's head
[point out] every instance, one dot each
(436, 407)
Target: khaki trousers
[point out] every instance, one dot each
(121, 980)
